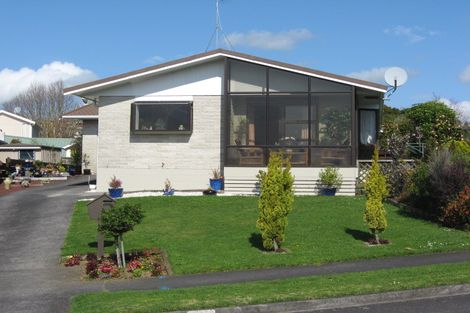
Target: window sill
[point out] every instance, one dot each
(162, 132)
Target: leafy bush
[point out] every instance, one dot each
(437, 122)
(376, 192)
(275, 201)
(457, 212)
(92, 268)
(447, 176)
(117, 221)
(330, 177)
(435, 184)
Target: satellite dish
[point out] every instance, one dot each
(395, 76)
(17, 110)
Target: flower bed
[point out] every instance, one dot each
(147, 263)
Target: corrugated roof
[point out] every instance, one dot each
(40, 141)
(83, 88)
(86, 110)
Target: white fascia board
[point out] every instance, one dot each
(163, 98)
(68, 146)
(17, 117)
(214, 56)
(80, 117)
(76, 92)
(308, 74)
(19, 148)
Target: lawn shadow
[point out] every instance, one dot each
(107, 243)
(358, 234)
(256, 241)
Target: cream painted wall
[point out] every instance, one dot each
(144, 162)
(199, 80)
(90, 143)
(14, 127)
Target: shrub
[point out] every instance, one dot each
(457, 212)
(117, 221)
(437, 122)
(376, 191)
(275, 201)
(92, 269)
(447, 176)
(330, 177)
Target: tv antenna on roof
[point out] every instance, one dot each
(218, 30)
(395, 77)
(17, 110)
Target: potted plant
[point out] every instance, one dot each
(7, 183)
(330, 180)
(217, 180)
(115, 189)
(168, 189)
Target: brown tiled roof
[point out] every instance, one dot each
(89, 109)
(229, 54)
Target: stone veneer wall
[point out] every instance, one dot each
(143, 162)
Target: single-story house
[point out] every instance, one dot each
(15, 125)
(228, 110)
(50, 150)
(89, 116)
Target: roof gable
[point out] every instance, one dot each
(211, 55)
(17, 117)
(89, 111)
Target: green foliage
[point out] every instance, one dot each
(330, 177)
(275, 201)
(437, 123)
(336, 129)
(120, 219)
(376, 191)
(457, 212)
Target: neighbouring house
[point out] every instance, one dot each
(50, 150)
(89, 115)
(227, 110)
(15, 125)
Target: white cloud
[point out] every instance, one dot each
(13, 82)
(465, 76)
(375, 74)
(412, 34)
(461, 107)
(266, 40)
(155, 59)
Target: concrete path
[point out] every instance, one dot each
(33, 224)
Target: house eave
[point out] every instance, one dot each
(88, 88)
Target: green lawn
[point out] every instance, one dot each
(273, 291)
(204, 234)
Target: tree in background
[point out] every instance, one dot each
(45, 104)
(376, 191)
(437, 122)
(275, 201)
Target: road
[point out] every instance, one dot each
(453, 304)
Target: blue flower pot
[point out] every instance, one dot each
(115, 192)
(168, 192)
(217, 184)
(328, 191)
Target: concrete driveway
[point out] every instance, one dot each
(33, 224)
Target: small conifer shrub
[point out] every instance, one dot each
(275, 201)
(376, 191)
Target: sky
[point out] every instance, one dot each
(79, 41)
